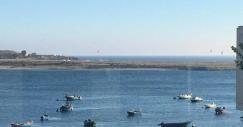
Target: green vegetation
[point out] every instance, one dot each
(237, 50)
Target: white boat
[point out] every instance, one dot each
(196, 99)
(73, 98)
(24, 124)
(185, 96)
(210, 105)
(133, 113)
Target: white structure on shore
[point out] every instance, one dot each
(239, 72)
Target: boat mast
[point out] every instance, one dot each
(189, 86)
(189, 78)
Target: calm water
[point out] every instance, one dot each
(108, 94)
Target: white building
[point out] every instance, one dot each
(239, 73)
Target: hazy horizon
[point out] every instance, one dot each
(98, 55)
(121, 27)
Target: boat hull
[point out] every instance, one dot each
(44, 118)
(65, 108)
(21, 125)
(89, 123)
(207, 106)
(182, 124)
(184, 96)
(73, 98)
(194, 101)
(219, 111)
(133, 113)
(26, 124)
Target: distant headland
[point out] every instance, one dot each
(23, 55)
(10, 59)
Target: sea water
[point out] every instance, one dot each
(109, 93)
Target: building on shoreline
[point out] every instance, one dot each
(9, 54)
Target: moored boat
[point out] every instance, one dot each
(210, 105)
(73, 98)
(24, 124)
(133, 113)
(241, 118)
(196, 99)
(89, 123)
(65, 108)
(44, 117)
(219, 110)
(184, 96)
(180, 124)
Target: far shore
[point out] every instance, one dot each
(79, 64)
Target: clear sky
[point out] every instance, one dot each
(120, 27)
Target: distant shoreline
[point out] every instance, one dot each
(79, 64)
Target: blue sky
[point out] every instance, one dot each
(120, 27)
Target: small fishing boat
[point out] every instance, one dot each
(241, 118)
(89, 123)
(219, 110)
(73, 98)
(24, 124)
(65, 108)
(196, 99)
(133, 113)
(45, 117)
(210, 105)
(180, 124)
(184, 96)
